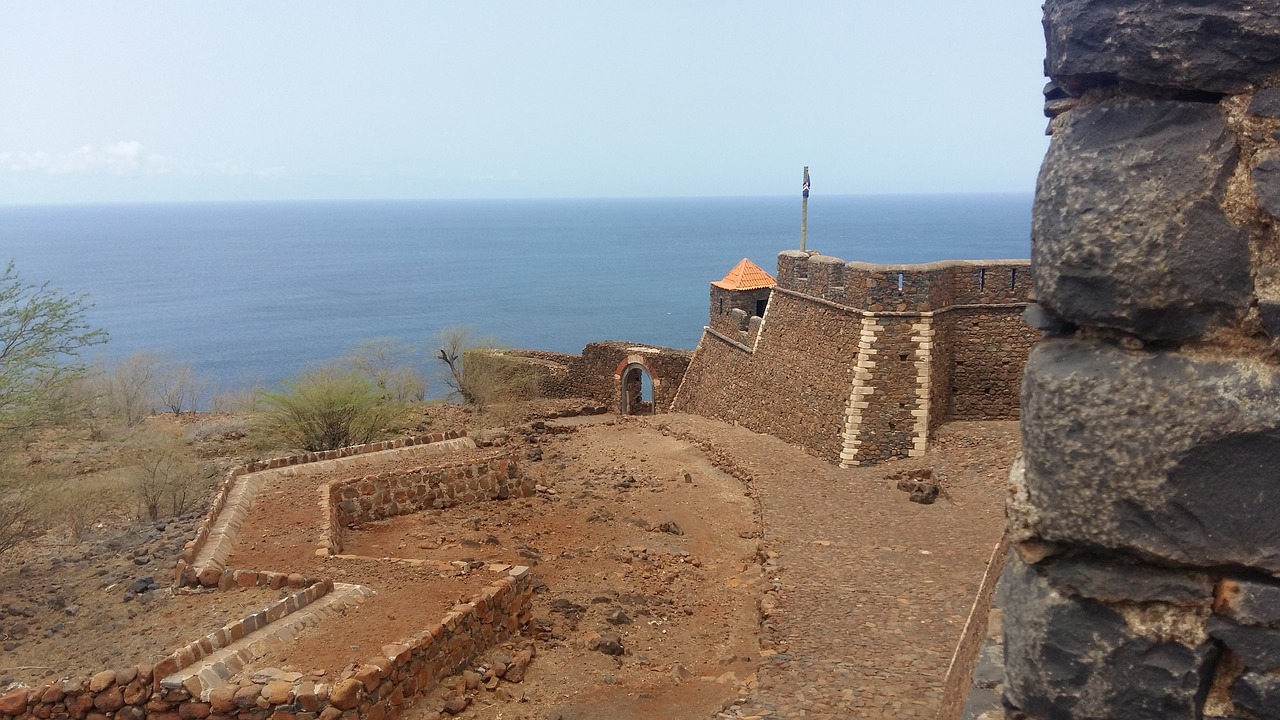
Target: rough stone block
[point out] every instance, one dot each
(109, 700)
(1127, 229)
(1266, 103)
(1259, 694)
(1219, 47)
(1067, 657)
(14, 702)
(102, 680)
(223, 699)
(1248, 602)
(346, 694)
(1259, 648)
(1114, 581)
(1204, 494)
(1266, 185)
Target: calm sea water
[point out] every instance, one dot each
(253, 292)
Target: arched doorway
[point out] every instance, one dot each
(637, 391)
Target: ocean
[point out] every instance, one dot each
(250, 293)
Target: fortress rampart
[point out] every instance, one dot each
(858, 362)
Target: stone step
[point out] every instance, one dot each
(220, 666)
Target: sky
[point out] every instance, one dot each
(182, 101)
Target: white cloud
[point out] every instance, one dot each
(124, 158)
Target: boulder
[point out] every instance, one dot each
(1266, 103)
(1266, 184)
(1258, 648)
(608, 643)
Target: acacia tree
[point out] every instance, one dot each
(42, 332)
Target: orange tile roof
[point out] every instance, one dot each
(746, 275)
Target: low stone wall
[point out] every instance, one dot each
(199, 649)
(185, 571)
(959, 681)
(491, 476)
(377, 690)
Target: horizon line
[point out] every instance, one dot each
(86, 203)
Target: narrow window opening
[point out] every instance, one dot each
(1013, 278)
(760, 306)
(899, 282)
(721, 310)
(982, 279)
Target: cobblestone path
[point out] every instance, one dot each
(873, 590)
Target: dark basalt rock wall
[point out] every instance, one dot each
(1144, 580)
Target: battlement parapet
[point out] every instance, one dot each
(925, 287)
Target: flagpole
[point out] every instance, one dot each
(804, 209)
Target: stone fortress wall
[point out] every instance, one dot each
(859, 363)
(1145, 577)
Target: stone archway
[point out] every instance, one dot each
(632, 399)
(630, 376)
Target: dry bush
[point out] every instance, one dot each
(392, 365)
(132, 386)
(80, 510)
(328, 408)
(22, 516)
(237, 402)
(481, 376)
(165, 478)
(178, 388)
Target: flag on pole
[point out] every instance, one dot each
(804, 189)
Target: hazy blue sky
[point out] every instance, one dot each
(129, 101)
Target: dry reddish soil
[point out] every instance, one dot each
(634, 533)
(79, 608)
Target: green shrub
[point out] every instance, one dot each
(329, 408)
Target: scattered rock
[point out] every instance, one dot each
(453, 706)
(608, 643)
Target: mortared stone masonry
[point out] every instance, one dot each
(859, 363)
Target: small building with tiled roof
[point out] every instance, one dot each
(746, 275)
(738, 301)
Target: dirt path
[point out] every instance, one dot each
(642, 531)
